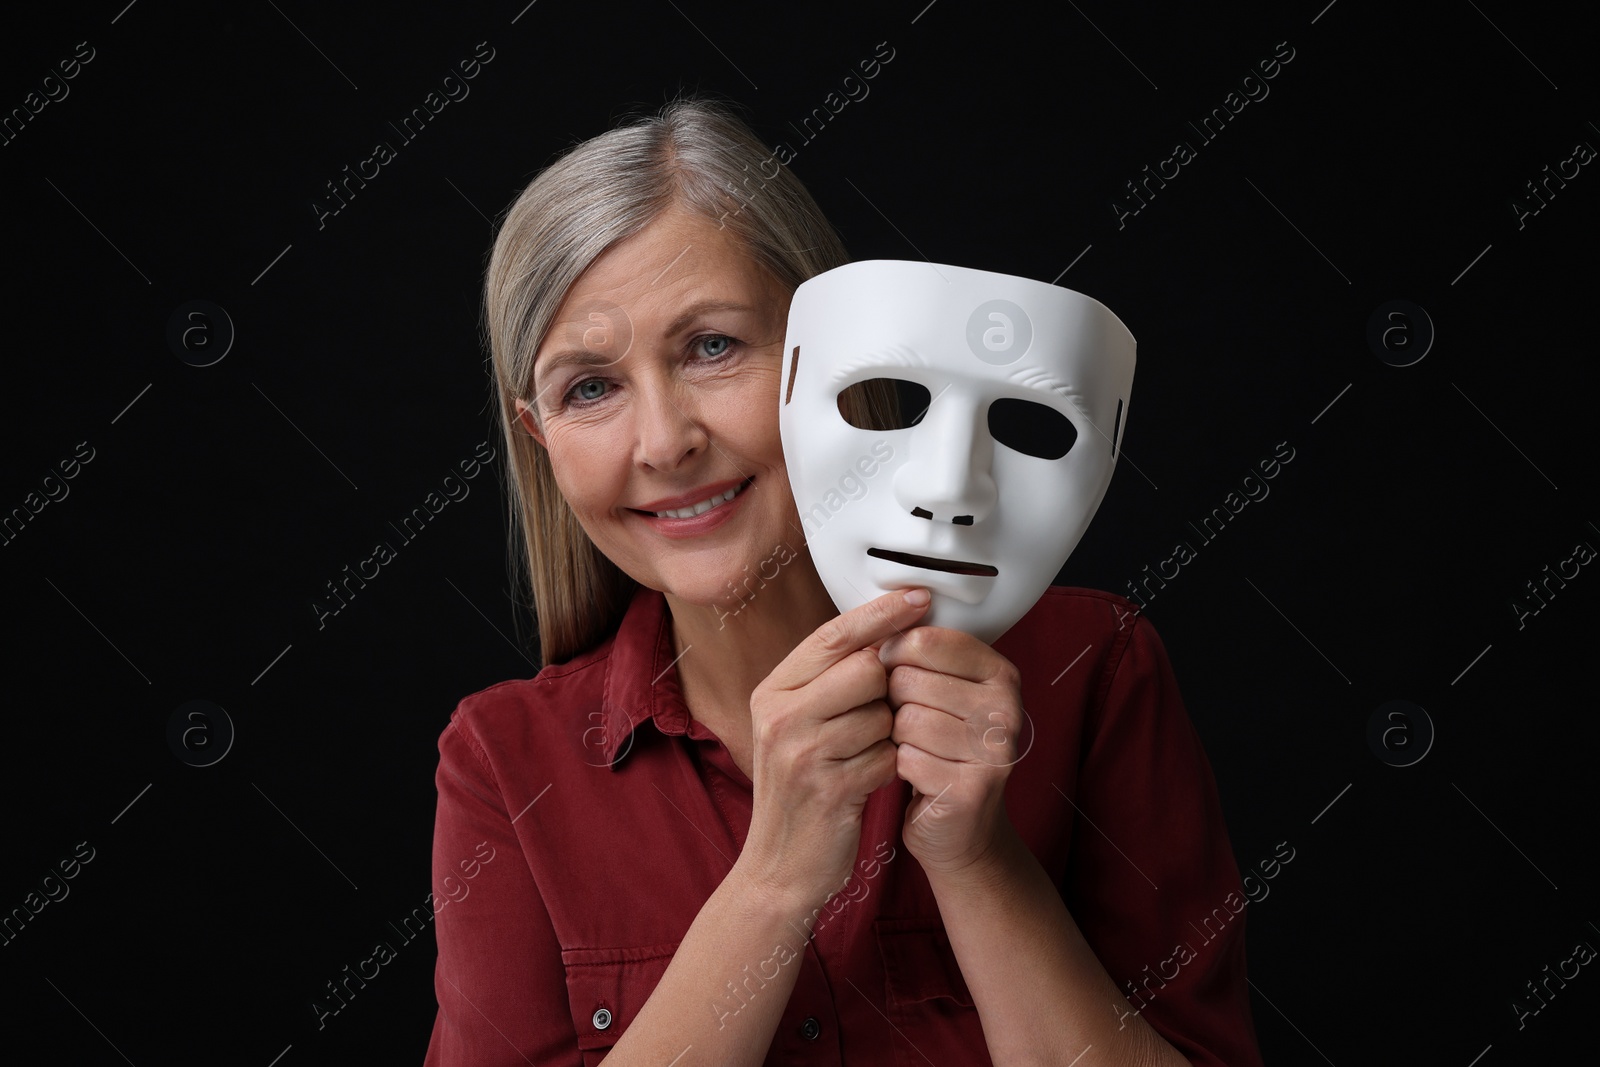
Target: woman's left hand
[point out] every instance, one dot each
(960, 727)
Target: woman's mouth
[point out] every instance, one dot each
(698, 518)
(704, 505)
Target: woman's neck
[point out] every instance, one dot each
(725, 650)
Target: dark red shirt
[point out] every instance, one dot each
(608, 816)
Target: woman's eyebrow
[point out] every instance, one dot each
(574, 357)
(694, 311)
(585, 357)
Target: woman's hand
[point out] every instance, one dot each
(820, 727)
(960, 727)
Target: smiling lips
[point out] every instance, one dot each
(689, 511)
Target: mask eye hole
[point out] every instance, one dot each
(884, 404)
(1032, 429)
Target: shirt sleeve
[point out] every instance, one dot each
(1153, 883)
(500, 980)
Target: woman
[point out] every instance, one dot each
(787, 834)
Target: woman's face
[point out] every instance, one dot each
(656, 391)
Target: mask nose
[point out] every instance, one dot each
(949, 477)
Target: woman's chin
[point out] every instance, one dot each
(737, 586)
(723, 602)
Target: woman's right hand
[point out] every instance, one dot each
(820, 729)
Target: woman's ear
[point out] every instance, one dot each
(530, 421)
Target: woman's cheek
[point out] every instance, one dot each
(584, 456)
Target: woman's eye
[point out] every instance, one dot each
(589, 389)
(714, 345)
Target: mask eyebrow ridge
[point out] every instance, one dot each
(890, 356)
(1037, 378)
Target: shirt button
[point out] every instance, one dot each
(810, 1029)
(602, 1019)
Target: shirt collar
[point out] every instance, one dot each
(641, 679)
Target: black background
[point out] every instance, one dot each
(221, 499)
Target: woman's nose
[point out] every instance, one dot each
(669, 430)
(949, 477)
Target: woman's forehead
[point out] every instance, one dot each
(659, 281)
(677, 248)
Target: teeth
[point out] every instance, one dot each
(702, 507)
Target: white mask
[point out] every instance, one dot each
(1029, 386)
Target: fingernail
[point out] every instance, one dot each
(917, 597)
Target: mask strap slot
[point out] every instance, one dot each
(794, 365)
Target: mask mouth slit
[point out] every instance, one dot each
(931, 563)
